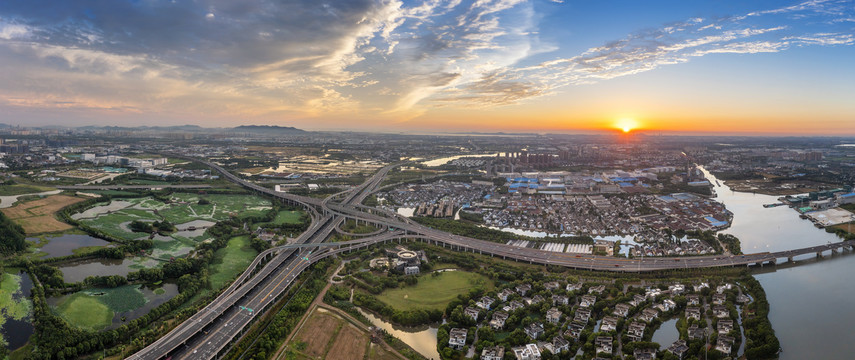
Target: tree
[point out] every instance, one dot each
(12, 236)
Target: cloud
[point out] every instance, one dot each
(304, 58)
(669, 44)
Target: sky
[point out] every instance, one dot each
(715, 67)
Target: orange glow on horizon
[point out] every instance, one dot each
(626, 125)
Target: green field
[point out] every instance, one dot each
(230, 261)
(84, 311)
(94, 309)
(434, 292)
(288, 217)
(17, 189)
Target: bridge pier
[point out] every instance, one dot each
(790, 259)
(819, 254)
(833, 251)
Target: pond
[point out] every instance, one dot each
(78, 270)
(421, 339)
(119, 305)
(667, 334)
(96, 211)
(16, 311)
(8, 201)
(64, 244)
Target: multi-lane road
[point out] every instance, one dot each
(209, 332)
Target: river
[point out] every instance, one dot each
(809, 304)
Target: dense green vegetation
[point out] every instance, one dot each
(10, 188)
(761, 340)
(12, 236)
(230, 261)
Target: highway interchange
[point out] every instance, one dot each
(208, 333)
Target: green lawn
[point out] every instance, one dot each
(288, 217)
(230, 261)
(85, 311)
(434, 292)
(17, 189)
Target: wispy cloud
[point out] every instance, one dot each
(385, 58)
(670, 44)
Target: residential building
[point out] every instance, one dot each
(553, 315)
(534, 330)
(604, 344)
(588, 300)
(724, 344)
(485, 302)
(498, 320)
(457, 338)
(609, 323)
(471, 313)
(493, 353)
(527, 352)
(621, 310)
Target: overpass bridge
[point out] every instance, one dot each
(208, 333)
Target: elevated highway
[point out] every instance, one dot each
(208, 333)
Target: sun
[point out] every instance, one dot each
(626, 125)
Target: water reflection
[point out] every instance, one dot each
(65, 244)
(16, 332)
(421, 339)
(809, 303)
(667, 334)
(78, 271)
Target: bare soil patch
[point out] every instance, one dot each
(38, 216)
(350, 344)
(317, 333)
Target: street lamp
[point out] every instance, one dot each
(707, 347)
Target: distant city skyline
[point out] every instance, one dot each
(671, 67)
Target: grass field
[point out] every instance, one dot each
(230, 261)
(18, 189)
(434, 292)
(85, 311)
(288, 217)
(283, 217)
(94, 309)
(37, 216)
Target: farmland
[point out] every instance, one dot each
(326, 335)
(434, 292)
(37, 216)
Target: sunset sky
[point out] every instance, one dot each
(754, 67)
